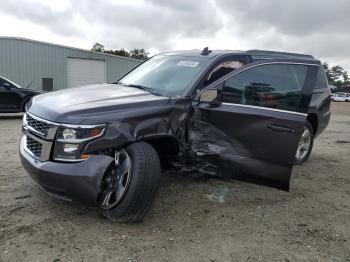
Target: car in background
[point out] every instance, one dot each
(13, 98)
(341, 97)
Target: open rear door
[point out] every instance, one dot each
(254, 130)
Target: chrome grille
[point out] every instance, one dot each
(39, 126)
(39, 136)
(34, 146)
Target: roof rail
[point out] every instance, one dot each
(265, 53)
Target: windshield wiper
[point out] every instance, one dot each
(144, 88)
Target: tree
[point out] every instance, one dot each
(328, 73)
(120, 52)
(97, 47)
(336, 75)
(346, 78)
(139, 54)
(135, 53)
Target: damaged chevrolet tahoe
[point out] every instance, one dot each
(246, 114)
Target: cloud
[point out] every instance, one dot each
(60, 22)
(317, 27)
(293, 17)
(320, 28)
(152, 23)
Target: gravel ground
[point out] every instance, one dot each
(192, 220)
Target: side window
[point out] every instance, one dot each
(3, 82)
(221, 70)
(275, 85)
(321, 81)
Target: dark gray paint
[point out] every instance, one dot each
(238, 140)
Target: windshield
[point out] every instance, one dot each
(166, 75)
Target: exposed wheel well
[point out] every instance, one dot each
(312, 118)
(166, 147)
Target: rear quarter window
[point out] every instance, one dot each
(321, 80)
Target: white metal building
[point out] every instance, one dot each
(46, 66)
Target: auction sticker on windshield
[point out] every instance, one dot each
(188, 63)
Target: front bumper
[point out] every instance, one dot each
(69, 181)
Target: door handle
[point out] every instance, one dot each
(281, 129)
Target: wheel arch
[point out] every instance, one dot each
(313, 119)
(165, 145)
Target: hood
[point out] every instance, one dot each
(76, 104)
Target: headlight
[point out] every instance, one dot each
(69, 134)
(70, 141)
(79, 134)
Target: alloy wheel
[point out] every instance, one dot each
(117, 180)
(304, 144)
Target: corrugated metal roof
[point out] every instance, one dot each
(64, 46)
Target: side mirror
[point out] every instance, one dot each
(209, 96)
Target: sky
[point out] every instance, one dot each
(317, 27)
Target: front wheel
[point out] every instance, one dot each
(305, 144)
(131, 184)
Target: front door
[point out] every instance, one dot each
(252, 131)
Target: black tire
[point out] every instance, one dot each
(300, 161)
(144, 184)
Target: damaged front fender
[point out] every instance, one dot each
(142, 125)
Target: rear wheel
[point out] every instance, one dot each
(305, 144)
(131, 184)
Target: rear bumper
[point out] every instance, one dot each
(69, 181)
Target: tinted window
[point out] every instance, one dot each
(3, 81)
(276, 85)
(321, 81)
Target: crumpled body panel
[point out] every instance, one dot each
(239, 144)
(144, 124)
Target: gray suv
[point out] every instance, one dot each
(249, 115)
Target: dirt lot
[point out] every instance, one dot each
(192, 220)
